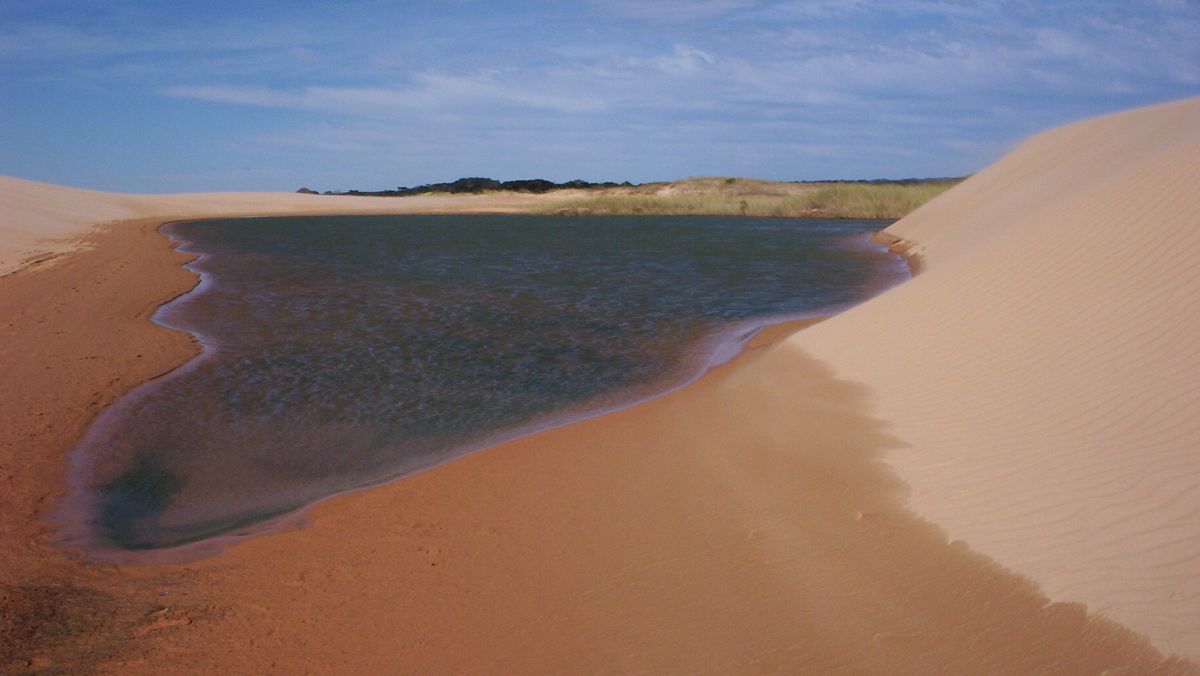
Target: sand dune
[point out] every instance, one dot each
(1044, 370)
(39, 221)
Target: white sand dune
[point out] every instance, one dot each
(40, 220)
(1045, 367)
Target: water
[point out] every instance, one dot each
(341, 352)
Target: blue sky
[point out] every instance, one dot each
(249, 95)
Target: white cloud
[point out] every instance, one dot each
(251, 96)
(685, 61)
(430, 92)
(675, 10)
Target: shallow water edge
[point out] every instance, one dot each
(714, 349)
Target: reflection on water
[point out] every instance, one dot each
(344, 351)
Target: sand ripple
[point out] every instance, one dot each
(1045, 368)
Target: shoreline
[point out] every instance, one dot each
(905, 249)
(77, 336)
(724, 346)
(464, 531)
(1057, 624)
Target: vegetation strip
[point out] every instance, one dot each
(706, 196)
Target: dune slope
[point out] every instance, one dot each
(1044, 369)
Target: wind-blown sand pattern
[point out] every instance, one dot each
(1044, 369)
(1035, 385)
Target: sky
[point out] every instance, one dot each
(148, 96)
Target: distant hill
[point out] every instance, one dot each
(477, 185)
(720, 184)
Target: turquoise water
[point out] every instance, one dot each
(341, 352)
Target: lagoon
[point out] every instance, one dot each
(343, 352)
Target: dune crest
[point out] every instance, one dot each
(1044, 369)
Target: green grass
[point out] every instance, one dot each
(819, 200)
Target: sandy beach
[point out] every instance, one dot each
(990, 468)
